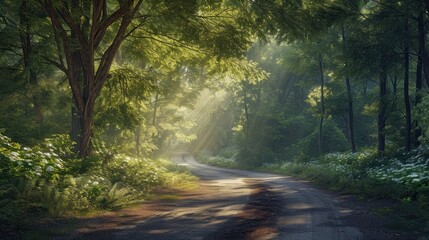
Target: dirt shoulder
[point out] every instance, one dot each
(375, 218)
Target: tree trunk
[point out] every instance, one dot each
(246, 116)
(322, 105)
(418, 98)
(350, 120)
(381, 121)
(154, 122)
(75, 129)
(154, 115)
(422, 47)
(406, 90)
(137, 134)
(155, 109)
(85, 148)
(26, 47)
(79, 29)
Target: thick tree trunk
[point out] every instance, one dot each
(322, 105)
(78, 35)
(381, 120)
(81, 132)
(85, 148)
(75, 129)
(406, 90)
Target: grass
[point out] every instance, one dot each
(175, 179)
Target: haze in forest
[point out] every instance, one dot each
(97, 96)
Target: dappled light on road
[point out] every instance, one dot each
(233, 204)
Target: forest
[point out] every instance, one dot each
(96, 95)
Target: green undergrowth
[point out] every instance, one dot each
(49, 181)
(402, 177)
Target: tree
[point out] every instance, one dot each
(407, 102)
(79, 28)
(27, 83)
(90, 33)
(350, 118)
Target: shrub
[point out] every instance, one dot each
(50, 179)
(137, 173)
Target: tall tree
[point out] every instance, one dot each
(406, 87)
(27, 52)
(79, 28)
(350, 118)
(419, 75)
(90, 33)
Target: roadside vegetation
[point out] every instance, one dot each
(345, 111)
(49, 180)
(402, 177)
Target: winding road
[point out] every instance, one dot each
(238, 204)
(304, 213)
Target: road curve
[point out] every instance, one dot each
(232, 205)
(306, 213)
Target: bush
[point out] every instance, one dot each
(40, 162)
(50, 179)
(140, 174)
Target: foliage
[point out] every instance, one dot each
(219, 161)
(410, 169)
(410, 175)
(307, 147)
(150, 76)
(40, 162)
(403, 178)
(50, 179)
(420, 113)
(143, 175)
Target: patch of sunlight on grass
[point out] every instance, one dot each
(188, 186)
(168, 197)
(89, 214)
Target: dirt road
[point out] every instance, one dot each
(236, 204)
(301, 212)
